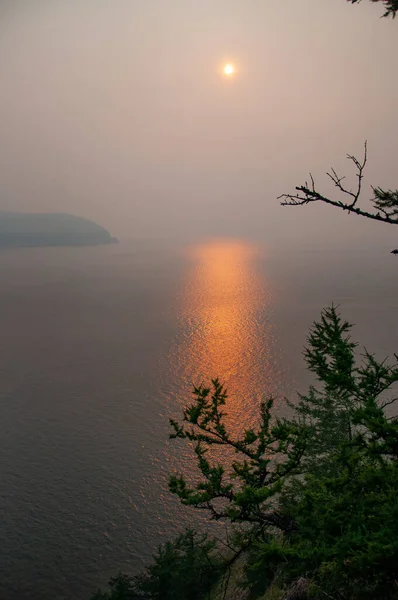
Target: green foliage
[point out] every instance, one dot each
(353, 517)
(326, 408)
(316, 495)
(386, 202)
(123, 587)
(345, 508)
(319, 491)
(265, 459)
(184, 569)
(263, 564)
(391, 6)
(332, 409)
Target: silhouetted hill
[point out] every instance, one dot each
(52, 229)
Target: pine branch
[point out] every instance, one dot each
(267, 456)
(385, 202)
(391, 6)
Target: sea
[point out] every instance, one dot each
(100, 347)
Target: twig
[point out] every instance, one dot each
(385, 202)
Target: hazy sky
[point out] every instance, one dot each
(115, 110)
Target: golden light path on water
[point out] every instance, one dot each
(226, 331)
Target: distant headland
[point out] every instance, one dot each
(50, 229)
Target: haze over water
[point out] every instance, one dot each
(118, 111)
(100, 347)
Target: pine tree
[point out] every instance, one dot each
(391, 6)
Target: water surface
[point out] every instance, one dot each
(100, 346)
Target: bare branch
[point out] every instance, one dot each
(389, 402)
(337, 182)
(360, 167)
(384, 202)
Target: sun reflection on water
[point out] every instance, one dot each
(225, 328)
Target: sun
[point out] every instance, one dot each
(229, 70)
